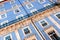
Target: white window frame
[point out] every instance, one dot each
(56, 14)
(8, 35)
(6, 21)
(24, 32)
(41, 24)
(21, 15)
(15, 7)
(28, 6)
(15, 11)
(46, 5)
(55, 32)
(33, 10)
(3, 14)
(11, 1)
(41, 2)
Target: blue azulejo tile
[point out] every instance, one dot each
(7, 5)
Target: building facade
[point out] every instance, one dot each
(29, 20)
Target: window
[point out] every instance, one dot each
(26, 30)
(17, 11)
(58, 16)
(8, 37)
(4, 22)
(43, 23)
(41, 1)
(53, 35)
(29, 5)
(12, 1)
(21, 15)
(46, 5)
(2, 16)
(52, 1)
(34, 11)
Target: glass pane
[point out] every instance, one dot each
(29, 6)
(53, 35)
(58, 15)
(3, 16)
(44, 23)
(26, 31)
(8, 38)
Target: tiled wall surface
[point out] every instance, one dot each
(13, 11)
(42, 25)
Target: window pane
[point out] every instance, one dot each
(58, 15)
(53, 35)
(2, 16)
(17, 11)
(43, 23)
(41, 1)
(29, 6)
(26, 31)
(8, 38)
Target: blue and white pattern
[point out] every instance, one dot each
(14, 11)
(17, 10)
